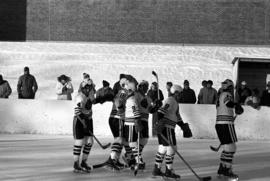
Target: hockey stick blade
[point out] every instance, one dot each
(106, 146)
(154, 73)
(206, 178)
(215, 149)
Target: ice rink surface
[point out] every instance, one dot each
(40, 157)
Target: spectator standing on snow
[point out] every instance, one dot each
(208, 95)
(64, 88)
(27, 85)
(5, 89)
(168, 87)
(243, 92)
(265, 99)
(188, 95)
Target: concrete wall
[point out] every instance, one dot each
(55, 117)
(150, 21)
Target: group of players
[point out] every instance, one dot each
(129, 125)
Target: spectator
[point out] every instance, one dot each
(168, 87)
(5, 89)
(27, 85)
(265, 99)
(117, 86)
(204, 83)
(254, 99)
(105, 93)
(243, 92)
(64, 88)
(207, 95)
(188, 94)
(86, 79)
(153, 92)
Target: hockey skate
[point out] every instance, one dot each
(129, 162)
(120, 165)
(156, 173)
(112, 165)
(170, 175)
(85, 167)
(226, 173)
(141, 164)
(77, 168)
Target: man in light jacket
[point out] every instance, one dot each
(64, 88)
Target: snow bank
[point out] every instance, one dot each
(55, 117)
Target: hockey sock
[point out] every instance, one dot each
(77, 152)
(128, 151)
(116, 149)
(226, 158)
(86, 151)
(159, 159)
(141, 149)
(169, 161)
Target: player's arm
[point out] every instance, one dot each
(228, 101)
(184, 126)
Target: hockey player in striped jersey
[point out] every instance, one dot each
(146, 106)
(225, 128)
(132, 124)
(83, 127)
(116, 122)
(168, 117)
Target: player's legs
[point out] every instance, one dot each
(227, 136)
(116, 126)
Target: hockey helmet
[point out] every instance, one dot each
(176, 88)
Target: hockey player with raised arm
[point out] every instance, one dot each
(116, 123)
(225, 128)
(146, 106)
(168, 117)
(83, 127)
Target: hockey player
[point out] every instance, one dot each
(146, 106)
(132, 124)
(225, 128)
(83, 127)
(116, 122)
(168, 117)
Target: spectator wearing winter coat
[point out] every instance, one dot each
(254, 99)
(187, 95)
(243, 92)
(5, 89)
(208, 95)
(64, 88)
(153, 92)
(265, 99)
(27, 85)
(104, 94)
(117, 86)
(204, 83)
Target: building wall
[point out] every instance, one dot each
(150, 21)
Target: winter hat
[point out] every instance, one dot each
(186, 82)
(122, 76)
(105, 83)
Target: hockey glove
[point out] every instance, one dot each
(144, 103)
(186, 130)
(238, 109)
(138, 125)
(64, 89)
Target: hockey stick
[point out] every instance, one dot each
(137, 165)
(216, 149)
(187, 164)
(155, 74)
(102, 146)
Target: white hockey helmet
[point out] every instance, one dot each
(176, 88)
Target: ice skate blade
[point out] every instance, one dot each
(226, 178)
(80, 171)
(171, 179)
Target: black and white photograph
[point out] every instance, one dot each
(151, 90)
